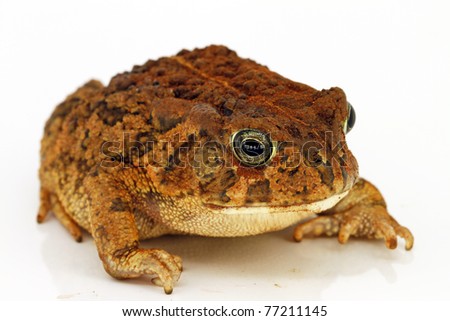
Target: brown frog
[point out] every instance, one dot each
(203, 143)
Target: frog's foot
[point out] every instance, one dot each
(50, 203)
(164, 268)
(361, 214)
(372, 223)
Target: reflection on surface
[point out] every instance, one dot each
(264, 267)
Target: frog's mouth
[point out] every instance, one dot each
(231, 221)
(266, 208)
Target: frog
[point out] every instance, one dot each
(206, 143)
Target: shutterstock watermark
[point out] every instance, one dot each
(251, 150)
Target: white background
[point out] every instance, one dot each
(391, 57)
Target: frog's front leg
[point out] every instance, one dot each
(113, 226)
(362, 213)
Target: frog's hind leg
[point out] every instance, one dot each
(50, 203)
(362, 213)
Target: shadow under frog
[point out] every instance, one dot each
(286, 269)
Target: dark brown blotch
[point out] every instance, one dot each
(169, 112)
(127, 250)
(111, 116)
(225, 111)
(119, 205)
(85, 141)
(121, 82)
(293, 131)
(326, 175)
(259, 192)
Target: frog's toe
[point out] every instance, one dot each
(44, 206)
(322, 225)
(167, 267)
(178, 261)
(406, 234)
(50, 203)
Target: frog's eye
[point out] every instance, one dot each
(252, 147)
(351, 118)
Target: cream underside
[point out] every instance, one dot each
(251, 220)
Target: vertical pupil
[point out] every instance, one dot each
(252, 147)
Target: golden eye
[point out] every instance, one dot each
(351, 119)
(252, 147)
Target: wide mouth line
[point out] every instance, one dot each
(332, 199)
